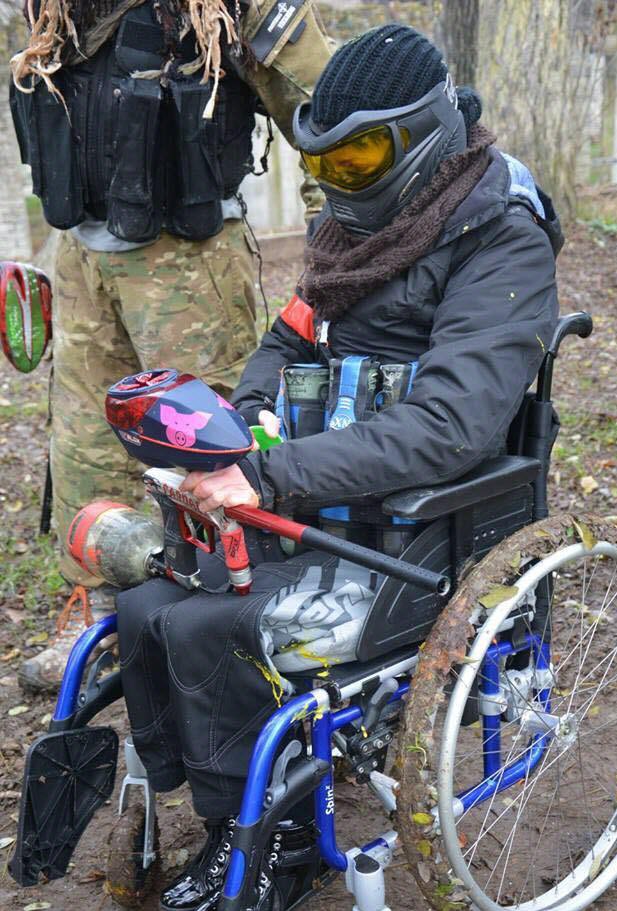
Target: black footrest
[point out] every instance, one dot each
(68, 776)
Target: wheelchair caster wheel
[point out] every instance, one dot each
(127, 882)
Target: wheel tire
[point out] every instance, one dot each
(127, 882)
(428, 761)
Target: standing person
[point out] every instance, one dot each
(136, 117)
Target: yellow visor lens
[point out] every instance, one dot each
(355, 163)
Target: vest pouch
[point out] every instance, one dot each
(134, 212)
(195, 191)
(353, 390)
(396, 383)
(301, 399)
(237, 162)
(49, 140)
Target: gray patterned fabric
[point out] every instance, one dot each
(318, 620)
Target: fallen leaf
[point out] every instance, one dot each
(19, 710)
(422, 819)
(425, 848)
(585, 534)
(37, 906)
(14, 653)
(177, 858)
(595, 867)
(498, 595)
(174, 802)
(15, 506)
(92, 876)
(21, 547)
(424, 872)
(15, 616)
(588, 484)
(593, 711)
(6, 842)
(38, 639)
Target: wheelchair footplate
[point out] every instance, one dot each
(68, 776)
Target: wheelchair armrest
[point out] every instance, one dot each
(491, 478)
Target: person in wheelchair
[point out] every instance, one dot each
(433, 262)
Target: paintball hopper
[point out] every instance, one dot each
(25, 314)
(166, 419)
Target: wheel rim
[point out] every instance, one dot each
(500, 849)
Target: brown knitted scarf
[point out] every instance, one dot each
(341, 268)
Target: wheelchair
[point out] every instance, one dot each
(486, 674)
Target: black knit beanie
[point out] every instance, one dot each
(388, 67)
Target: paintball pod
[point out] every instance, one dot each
(25, 314)
(171, 421)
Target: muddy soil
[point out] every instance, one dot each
(584, 477)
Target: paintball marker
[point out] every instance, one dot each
(171, 420)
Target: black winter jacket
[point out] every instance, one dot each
(478, 312)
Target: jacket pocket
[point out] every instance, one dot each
(133, 211)
(196, 190)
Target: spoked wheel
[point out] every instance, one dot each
(509, 789)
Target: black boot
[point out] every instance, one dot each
(200, 884)
(292, 869)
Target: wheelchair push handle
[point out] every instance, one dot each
(579, 323)
(355, 553)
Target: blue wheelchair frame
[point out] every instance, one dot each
(315, 706)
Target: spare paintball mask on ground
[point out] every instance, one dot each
(166, 420)
(25, 314)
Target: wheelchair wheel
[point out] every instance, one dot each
(518, 809)
(126, 880)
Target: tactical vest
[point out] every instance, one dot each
(314, 398)
(134, 152)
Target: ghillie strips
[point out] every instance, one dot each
(65, 31)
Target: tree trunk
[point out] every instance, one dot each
(458, 36)
(537, 72)
(608, 147)
(14, 227)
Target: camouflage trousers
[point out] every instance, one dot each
(176, 303)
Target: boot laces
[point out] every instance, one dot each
(75, 614)
(223, 853)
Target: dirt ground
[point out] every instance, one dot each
(584, 477)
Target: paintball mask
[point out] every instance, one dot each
(166, 419)
(373, 163)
